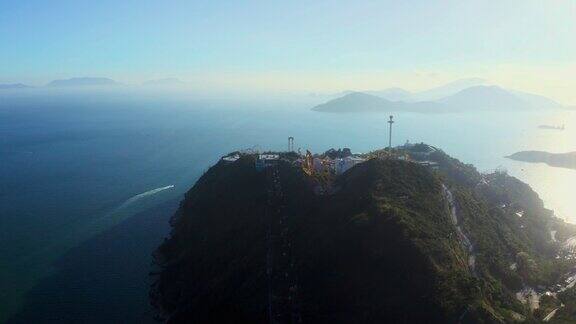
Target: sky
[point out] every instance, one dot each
(295, 45)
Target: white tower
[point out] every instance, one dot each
(391, 121)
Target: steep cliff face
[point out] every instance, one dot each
(393, 242)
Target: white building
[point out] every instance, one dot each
(266, 160)
(231, 158)
(429, 164)
(344, 164)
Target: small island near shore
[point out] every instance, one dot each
(560, 160)
(397, 235)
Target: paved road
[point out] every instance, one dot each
(464, 239)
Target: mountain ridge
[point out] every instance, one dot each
(475, 98)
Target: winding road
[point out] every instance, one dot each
(462, 237)
(528, 293)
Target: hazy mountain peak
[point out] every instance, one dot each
(359, 94)
(354, 102)
(448, 89)
(488, 89)
(485, 97)
(83, 81)
(393, 94)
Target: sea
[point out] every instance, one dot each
(90, 179)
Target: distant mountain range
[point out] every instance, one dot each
(93, 82)
(83, 82)
(461, 95)
(14, 86)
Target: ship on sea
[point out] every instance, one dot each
(561, 128)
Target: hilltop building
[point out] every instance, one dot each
(266, 160)
(231, 158)
(342, 165)
(418, 150)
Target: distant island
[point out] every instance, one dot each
(82, 82)
(362, 102)
(456, 98)
(11, 86)
(561, 160)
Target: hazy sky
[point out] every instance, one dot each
(295, 45)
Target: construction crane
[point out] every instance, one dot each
(308, 163)
(323, 175)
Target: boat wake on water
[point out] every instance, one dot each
(137, 197)
(124, 210)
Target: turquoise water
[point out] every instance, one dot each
(73, 166)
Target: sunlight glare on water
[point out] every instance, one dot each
(555, 186)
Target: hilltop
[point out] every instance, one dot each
(408, 236)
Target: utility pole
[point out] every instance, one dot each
(391, 121)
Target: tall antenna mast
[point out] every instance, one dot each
(391, 121)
